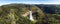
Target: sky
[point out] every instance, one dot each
(3, 2)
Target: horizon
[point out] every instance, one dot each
(4, 2)
(29, 4)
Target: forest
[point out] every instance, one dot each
(42, 14)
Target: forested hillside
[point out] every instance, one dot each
(12, 14)
(52, 9)
(42, 14)
(52, 12)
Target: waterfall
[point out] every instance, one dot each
(31, 17)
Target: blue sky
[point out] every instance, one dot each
(2, 2)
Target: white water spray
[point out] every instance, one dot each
(31, 17)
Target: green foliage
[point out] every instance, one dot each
(53, 18)
(8, 16)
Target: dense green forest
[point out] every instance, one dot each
(42, 14)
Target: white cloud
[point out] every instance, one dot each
(4, 3)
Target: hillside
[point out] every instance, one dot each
(50, 9)
(42, 14)
(12, 14)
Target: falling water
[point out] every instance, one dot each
(31, 17)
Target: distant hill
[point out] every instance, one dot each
(51, 9)
(47, 8)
